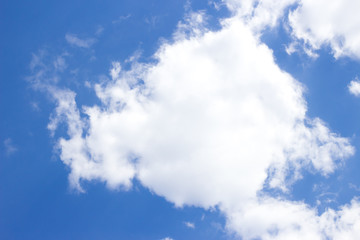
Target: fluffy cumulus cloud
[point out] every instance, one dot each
(312, 24)
(328, 23)
(354, 87)
(211, 124)
(278, 219)
(260, 14)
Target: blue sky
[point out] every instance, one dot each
(233, 119)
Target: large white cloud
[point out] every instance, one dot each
(211, 123)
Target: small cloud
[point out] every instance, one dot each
(35, 106)
(134, 57)
(353, 186)
(167, 238)
(217, 226)
(327, 198)
(99, 30)
(216, 4)
(9, 146)
(354, 87)
(152, 20)
(72, 39)
(121, 19)
(87, 84)
(320, 187)
(190, 225)
(60, 64)
(74, 72)
(311, 53)
(295, 46)
(36, 60)
(45, 69)
(291, 48)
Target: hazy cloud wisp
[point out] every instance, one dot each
(74, 40)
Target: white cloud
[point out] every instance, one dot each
(313, 24)
(342, 224)
(35, 106)
(102, 164)
(354, 87)
(9, 146)
(278, 219)
(152, 21)
(190, 225)
(259, 15)
(194, 24)
(355, 187)
(211, 123)
(45, 70)
(217, 5)
(328, 23)
(72, 39)
(167, 238)
(99, 30)
(60, 63)
(121, 19)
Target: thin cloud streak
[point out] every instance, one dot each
(74, 40)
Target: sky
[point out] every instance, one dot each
(168, 120)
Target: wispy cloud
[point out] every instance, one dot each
(74, 40)
(355, 187)
(217, 5)
(121, 19)
(190, 225)
(9, 146)
(60, 64)
(35, 106)
(99, 30)
(45, 69)
(152, 21)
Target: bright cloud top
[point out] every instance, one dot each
(211, 124)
